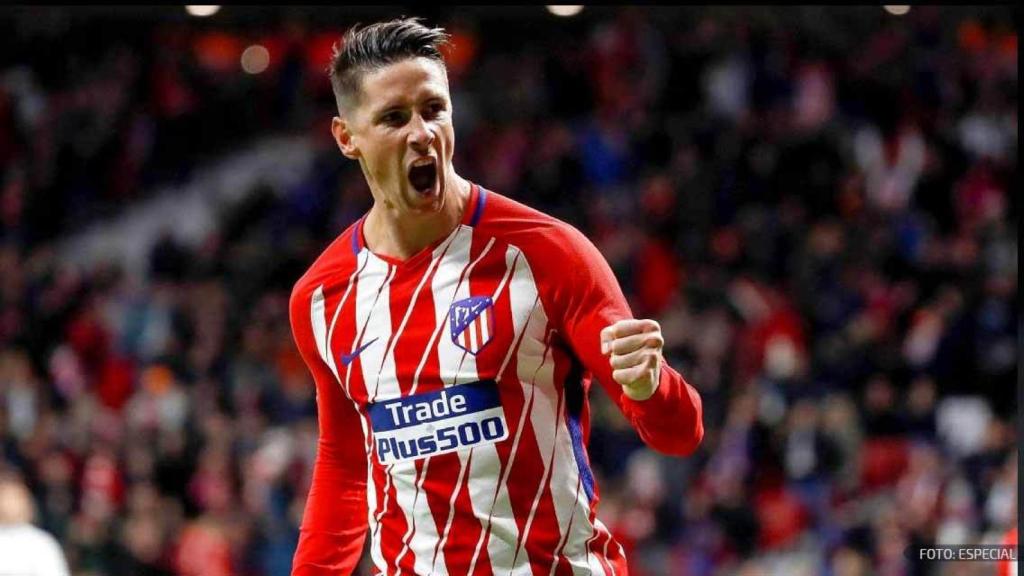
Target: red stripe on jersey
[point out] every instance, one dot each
(410, 349)
(343, 339)
(483, 564)
(541, 533)
(563, 366)
(544, 536)
(477, 331)
(393, 522)
(399, 554)
(464, 527)
(563, 568)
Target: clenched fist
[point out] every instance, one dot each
(634, 349)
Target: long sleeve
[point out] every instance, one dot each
(588, 298)
(335, 520)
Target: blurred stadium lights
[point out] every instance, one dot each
(202, 11)
(897, 10)
(255, 59)
(564, 11)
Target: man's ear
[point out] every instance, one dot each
(343, 137)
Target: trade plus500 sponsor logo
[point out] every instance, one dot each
(438, 422)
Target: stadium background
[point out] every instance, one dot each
(816, 203)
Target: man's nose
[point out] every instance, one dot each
(420, 135)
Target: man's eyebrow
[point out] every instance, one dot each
(386, 107)
(432, 92)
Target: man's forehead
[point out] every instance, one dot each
(412, 78)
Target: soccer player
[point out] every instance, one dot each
(453, 335)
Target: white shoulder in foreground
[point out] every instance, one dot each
(26, 550)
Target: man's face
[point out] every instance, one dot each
(400, 129)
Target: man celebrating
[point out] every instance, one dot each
(453, 334)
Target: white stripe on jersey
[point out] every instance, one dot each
(317, 316)
(577, 546)
(452, 284)
(485, 468)
(421, 535)
(330, 331)
(373, 314)
(567, 473)
(373, 326)
(485, 332)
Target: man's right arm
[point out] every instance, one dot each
(335, 520)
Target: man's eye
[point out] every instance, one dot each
(392, 118)
(435, 110)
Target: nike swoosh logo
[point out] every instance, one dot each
(347, 359)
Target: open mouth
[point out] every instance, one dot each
(423, 175)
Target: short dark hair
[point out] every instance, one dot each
(364, 49)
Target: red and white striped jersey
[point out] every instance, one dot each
(452, 396)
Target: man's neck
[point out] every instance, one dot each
(402, 234)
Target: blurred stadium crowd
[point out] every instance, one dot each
(817, 205)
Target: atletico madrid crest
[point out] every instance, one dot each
(472, 323)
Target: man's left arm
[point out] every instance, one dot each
(625, 354)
